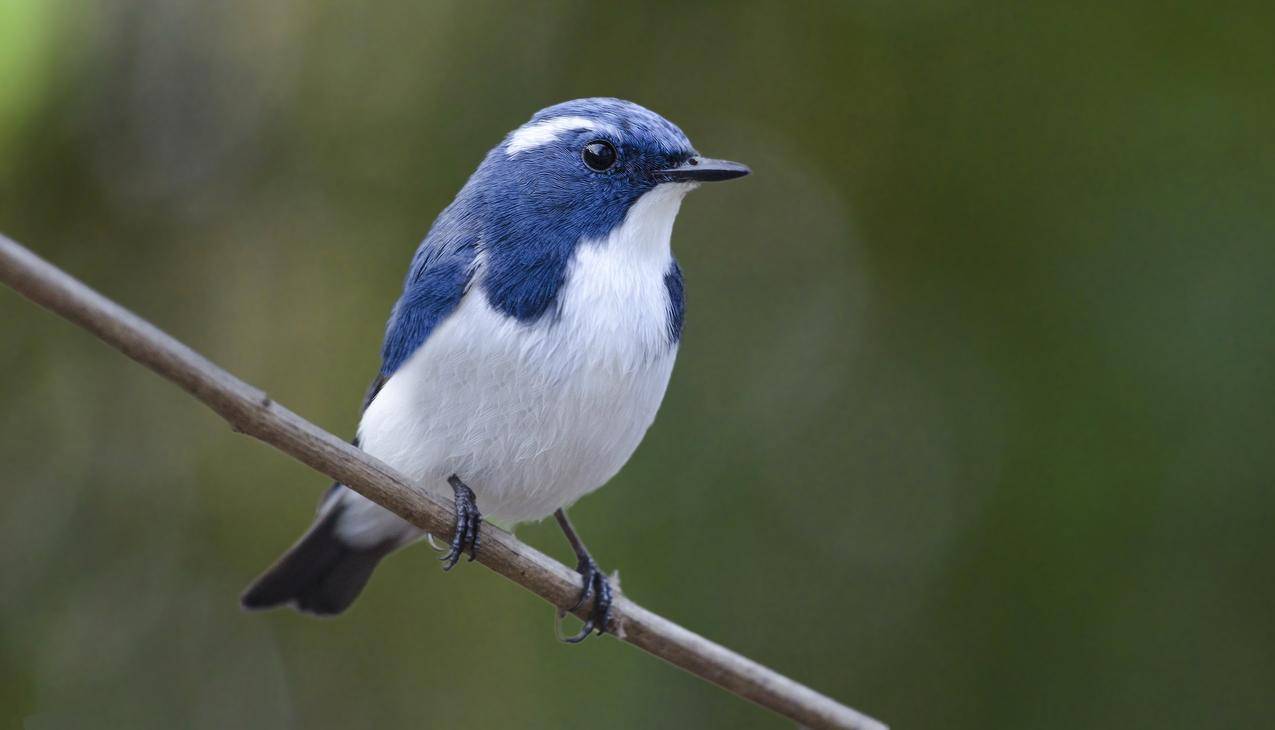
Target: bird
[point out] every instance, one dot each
(528, 353)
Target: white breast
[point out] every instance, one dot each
(532, 417)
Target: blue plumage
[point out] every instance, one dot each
(676, 300)
(553, 308)
(440, 273)
(526, 213)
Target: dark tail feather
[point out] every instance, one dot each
(321, 574)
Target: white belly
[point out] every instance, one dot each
(531, 417)
(528, 417)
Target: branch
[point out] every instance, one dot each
(251, 411)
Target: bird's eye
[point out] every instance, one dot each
(599, 155)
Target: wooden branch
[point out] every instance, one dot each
(251, 411)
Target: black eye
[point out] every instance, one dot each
(599, 155)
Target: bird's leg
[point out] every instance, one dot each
(468, 522)
(593, 581)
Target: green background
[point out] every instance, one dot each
(971, 426)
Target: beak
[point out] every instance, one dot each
(702, 169)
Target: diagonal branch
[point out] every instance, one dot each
(251, 411)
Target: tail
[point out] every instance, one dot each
(321, 574)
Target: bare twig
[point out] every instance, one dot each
(251, 411)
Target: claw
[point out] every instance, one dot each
(593, 582)
(465, 536)
(471, 536)
(584, 633)
(586, 571)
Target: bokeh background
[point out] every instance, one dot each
(972, 424)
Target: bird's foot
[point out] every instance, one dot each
(469, 520)
(592, 582)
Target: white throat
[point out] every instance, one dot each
(615, 297)
(647, 229)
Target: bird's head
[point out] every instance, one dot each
(581, 164)
(574, 173)
(608, 148)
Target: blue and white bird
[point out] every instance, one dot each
(529, 351)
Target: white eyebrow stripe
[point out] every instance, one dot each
(530, 136)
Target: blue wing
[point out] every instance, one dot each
(440, 273)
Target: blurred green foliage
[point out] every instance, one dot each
(971, 426)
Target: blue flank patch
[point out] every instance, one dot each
(676, 301)
(526, 214)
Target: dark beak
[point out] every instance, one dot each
(702, 169)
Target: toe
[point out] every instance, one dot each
(584, 633)
(472, 532)
(587, 576)
(602, 605)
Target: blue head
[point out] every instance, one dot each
(590, 159)
(567, 176)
